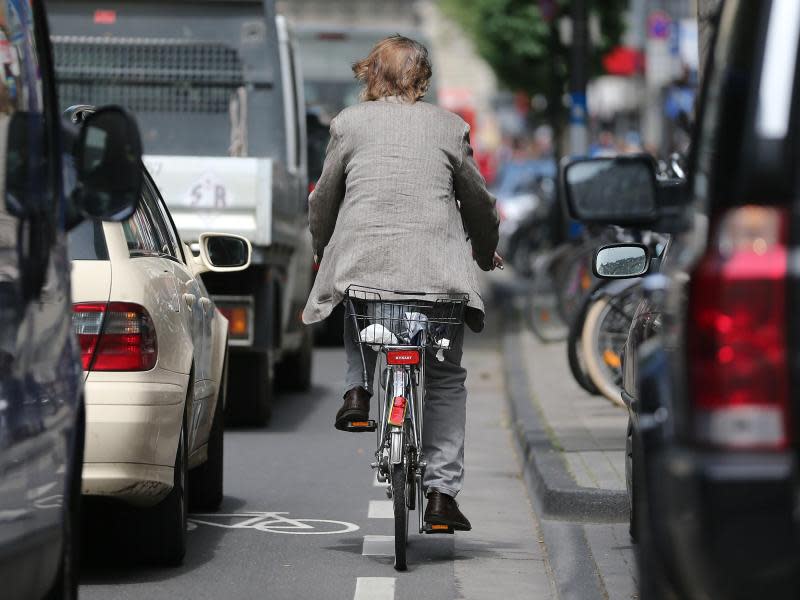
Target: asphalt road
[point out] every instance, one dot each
(264, 542)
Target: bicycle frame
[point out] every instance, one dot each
(408, 382)
(406, 330)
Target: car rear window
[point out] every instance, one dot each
(87, 242)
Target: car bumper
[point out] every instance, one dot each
(727, 522)
(132, 432)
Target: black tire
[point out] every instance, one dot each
(295, 370)
(574, 358)
(65, 585)
(249, 395)
(653, 582)
(164, 526)
(205, 481)
(630, 483)
(411, 481)
(400, 516)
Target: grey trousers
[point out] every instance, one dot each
(445, 411)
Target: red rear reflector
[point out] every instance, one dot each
(118, 336)
(402, 357)
(105, 17)
(398, 412)
(737, 332)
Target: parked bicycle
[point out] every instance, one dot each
(406, 331)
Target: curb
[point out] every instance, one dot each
(559, 496)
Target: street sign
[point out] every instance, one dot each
(658, 25)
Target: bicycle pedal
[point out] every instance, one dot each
(434, 528)
(358, 426)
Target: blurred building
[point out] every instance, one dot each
(463, 81)
(652, 77)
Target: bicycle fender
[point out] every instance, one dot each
(396, 447)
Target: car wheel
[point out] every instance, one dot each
(294, 371)
(65, 586)
(205, 481)
(164, 526)
(249, 397)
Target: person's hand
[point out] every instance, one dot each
(498, 262)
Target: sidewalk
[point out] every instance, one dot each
(572, 443)
(588, 430)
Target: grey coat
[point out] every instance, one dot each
(384, 212)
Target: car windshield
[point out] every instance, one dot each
(87, 242)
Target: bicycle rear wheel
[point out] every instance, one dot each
(400, 515)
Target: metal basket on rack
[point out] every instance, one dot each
(431, 322)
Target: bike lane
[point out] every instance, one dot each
(303, 516)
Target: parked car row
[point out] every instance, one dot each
(710, 364)
(116, 322)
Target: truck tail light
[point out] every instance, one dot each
(238, 319)
(115, 336)
(737, 346)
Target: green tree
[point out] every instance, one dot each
(521, 42)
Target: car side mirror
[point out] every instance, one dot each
(108, 167)
(224, 253)
(621, 261)
(612, 190)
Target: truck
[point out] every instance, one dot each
(217, 89)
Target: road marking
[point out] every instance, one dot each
(374, 588)
(272, 522)
(381, 509)
(378, 545)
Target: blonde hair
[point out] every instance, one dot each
(396, 66)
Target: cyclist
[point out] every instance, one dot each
(401, 205)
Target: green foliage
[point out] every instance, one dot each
(523, 48)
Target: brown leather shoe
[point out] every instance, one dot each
(443, 510)
(355, 408)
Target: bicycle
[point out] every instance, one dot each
(404, 330)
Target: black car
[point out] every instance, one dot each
(41, 407)
(713, 357)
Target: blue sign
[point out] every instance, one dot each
(658, 25)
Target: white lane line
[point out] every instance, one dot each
(378, 545)
(374, 588)
(381, 509)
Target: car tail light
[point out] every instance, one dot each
(402, 357)
(737, 345)
(115, 336)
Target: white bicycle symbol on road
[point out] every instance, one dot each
(271, 522)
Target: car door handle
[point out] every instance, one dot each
(189, 300)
